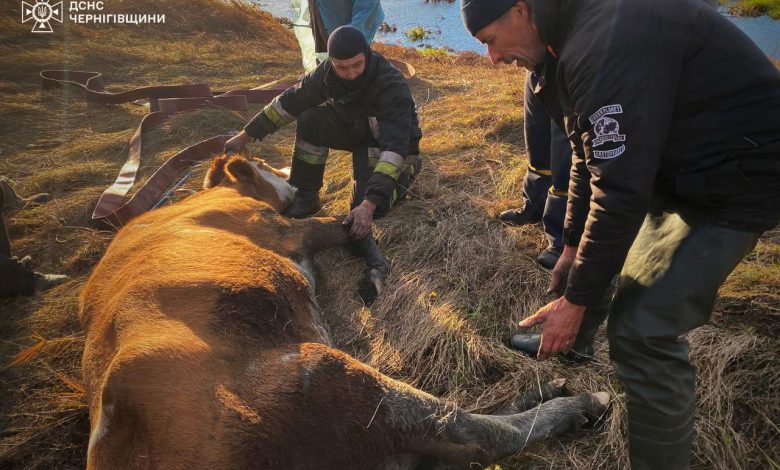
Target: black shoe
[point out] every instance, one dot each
(44, 282)
(13, 201)
(548, 258)
(306, 203)
(518, 217)
(528, 344)
(377, 269)
(26, 262)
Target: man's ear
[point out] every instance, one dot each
(216, 173)
(238, 169)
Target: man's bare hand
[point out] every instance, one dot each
(360, 219)
(560, 273)
(560, 320)
(237, 143)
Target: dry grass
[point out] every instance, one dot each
(459, 282)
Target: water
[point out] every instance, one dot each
(443, 20)
(763, 30)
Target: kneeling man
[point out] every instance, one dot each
(356, 100)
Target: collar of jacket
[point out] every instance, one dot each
(552, 19)
(337, 90)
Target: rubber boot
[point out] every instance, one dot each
(518, 217)
(528, 343)
(548, 258)
(306, 203)
(307, 171)
(375, 273)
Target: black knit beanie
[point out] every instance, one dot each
(346, 42)
(477, 14)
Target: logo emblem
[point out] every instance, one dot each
(607, 129)
(42, 12)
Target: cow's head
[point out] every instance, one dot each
(252, 177)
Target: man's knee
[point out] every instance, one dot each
(308, 126)
(656, 370)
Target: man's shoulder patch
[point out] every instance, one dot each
(607, 129)
(605, 110)
(609, 154)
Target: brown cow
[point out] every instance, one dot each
(205, 349)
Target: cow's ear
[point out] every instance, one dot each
(216, 173)
(240, 170)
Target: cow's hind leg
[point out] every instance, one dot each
(371, 415)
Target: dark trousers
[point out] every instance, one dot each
(15, 278)
(320, 129)
(546, 184)
(667, 288)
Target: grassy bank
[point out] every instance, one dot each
(460, 280)
(770, 8)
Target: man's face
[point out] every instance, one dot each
(513, 38)
(350, 69)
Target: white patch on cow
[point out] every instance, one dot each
(101, 428)
(306, 268)
(319, 323)
(284, 191)
(289, 356)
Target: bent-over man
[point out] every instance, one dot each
(674, 114)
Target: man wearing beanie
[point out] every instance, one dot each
(357, 101)
(673, 115)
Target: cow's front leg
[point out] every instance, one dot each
(534, 398)
(320, 233)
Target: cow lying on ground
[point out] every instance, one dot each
(205, 349)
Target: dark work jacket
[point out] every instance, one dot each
(663, 100)
(384, 95)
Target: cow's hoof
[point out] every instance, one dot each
(371, 284)
(553, 389)
(599, 402)
(603, 398)
(538, 395)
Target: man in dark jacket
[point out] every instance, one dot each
(674, 115)
(356, 101)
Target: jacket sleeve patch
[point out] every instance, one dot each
(607, 129)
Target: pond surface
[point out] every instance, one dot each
(442, 19)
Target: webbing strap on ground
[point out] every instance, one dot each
(164, 101)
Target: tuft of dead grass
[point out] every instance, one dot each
(460, 280)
